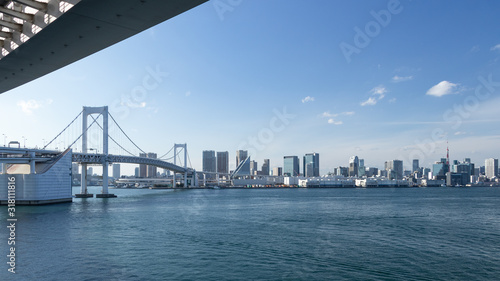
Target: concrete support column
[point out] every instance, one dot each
(83, 189)
(32, 163)
(105, 173)
(105, 178)
(194, 182)
(185, 165)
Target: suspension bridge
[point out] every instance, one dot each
(92, 138)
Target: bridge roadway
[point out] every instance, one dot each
(11, 155)
(88, 27)
(88, 158)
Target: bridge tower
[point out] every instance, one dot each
(181, 146)
(104, 112)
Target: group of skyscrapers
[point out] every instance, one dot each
(454, 173)
(219, 163)
(215, 163)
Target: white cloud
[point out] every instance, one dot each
(307, 99)
(397, 79)
(460, 133)
(369, 101)
(475, 49)
(393, 100)
(378, 93)
(442, 89)
(188, 93)
(332, 121)
(495, 48)
(379, 90)
(328, 114)
(30, 106)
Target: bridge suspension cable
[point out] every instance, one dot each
(190, 165)
(167, 154)
(112, 138)
(95, 120)
(64, 130)
(125, 133)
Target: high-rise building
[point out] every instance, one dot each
(243, 160)
(240, 156)
(491, 168)
(371, 172)
(143, 168)
(439, 170)
(291, 166)
(415, 165)
(341, 171)
(361, 168)
(253, 167)
(353, 166)
(152, 170)
(394, 169)
(223, 162)
(243, 169)
(425, 173)
(310, 165)
(265, 167)
(209, 161)
(277, 171)
(136, 172)
(90, 171)
(116, 171)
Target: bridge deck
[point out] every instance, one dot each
(90, 26)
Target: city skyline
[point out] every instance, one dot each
(279, 86)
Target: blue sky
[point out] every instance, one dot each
(289, 77)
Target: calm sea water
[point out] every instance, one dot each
(270, 234)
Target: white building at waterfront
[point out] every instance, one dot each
(39, 182)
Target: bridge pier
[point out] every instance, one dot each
(194, 181)
(105, 178)
(32, 163)
(83, 188)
